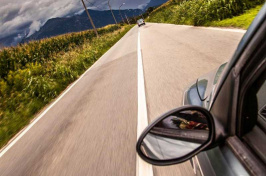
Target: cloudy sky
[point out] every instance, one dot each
(17, 15)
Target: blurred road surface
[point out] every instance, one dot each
(92, 129)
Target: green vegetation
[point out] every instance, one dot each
(200, 12)
(33, 74)
(242, 21)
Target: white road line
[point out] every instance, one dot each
(224, 29)
(142, 168)
(209, 28)
(24, 131)
(199, 165)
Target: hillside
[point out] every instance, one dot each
(76, 23)
(241, 21)
(155, 3)
(202, 12)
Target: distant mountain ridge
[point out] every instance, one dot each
(75, 23)
(57, 26)
(155, 3)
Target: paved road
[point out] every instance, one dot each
(92, 129)
(173, 57)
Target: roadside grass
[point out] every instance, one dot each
(203, 12)
(241, 21)
(26, 88)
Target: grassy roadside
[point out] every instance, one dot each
(242, 21)
(39, 71)
(204, 12)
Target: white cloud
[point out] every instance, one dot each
(35, 26)
(142, 6)
(17, 39)
(21, 15)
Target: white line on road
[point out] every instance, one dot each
(24, 131)
(209, 28)
(142, 168)
(225, 29)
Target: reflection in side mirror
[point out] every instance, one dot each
(176, 135)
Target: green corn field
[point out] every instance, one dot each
(33, 74)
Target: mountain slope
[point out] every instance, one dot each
(75, 23)
(57, 26)
(155, 3)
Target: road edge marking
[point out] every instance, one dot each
(142, 168)
(22, 132)
(243, 31)
(199, 165)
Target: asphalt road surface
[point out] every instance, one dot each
(92, 129)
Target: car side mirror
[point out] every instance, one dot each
(176, 136)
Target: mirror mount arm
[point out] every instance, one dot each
(220, 134)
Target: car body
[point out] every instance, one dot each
(141, 22)
(234, 95)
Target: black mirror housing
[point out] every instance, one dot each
(177, 136)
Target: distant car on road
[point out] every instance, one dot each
(141, 22)
(221, 127)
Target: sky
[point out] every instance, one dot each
(18, 15)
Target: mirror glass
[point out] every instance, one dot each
(176, 135)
